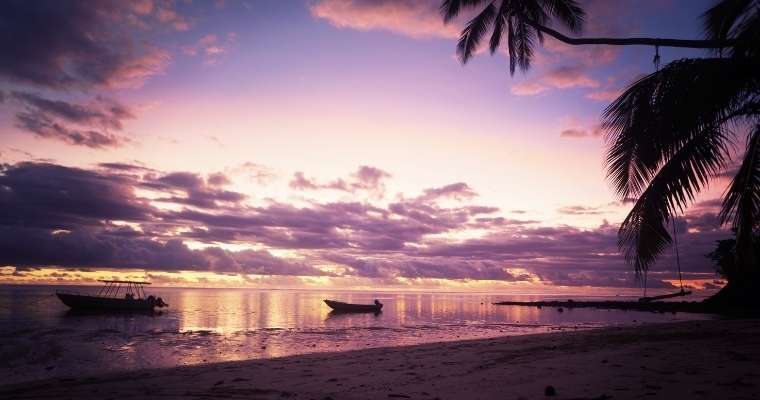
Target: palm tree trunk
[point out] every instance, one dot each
(641, 41)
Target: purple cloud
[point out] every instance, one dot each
(74, 217)
(365, 178)
(457, 191)
(72, 44)
(77, 124)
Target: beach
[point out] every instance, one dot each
(694, 359)
(40, 338)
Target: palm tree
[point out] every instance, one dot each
(671, 131)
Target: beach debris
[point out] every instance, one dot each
(561, 309)
(550, 391)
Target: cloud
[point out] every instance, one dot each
(76, 124)
(457, 191)
(569, 77)
(564, 77)
(578, 128)
(580, 210)
(417, 19)
(528, 89)
(365, 178)
(605, 95)
(68, 47)
(49, 196)
(44, 127)
(124, 167)
(253, 172)
(576, 133)
(26, 247)
(211, 47)
(193, 190)
(166, 15)
(72, 44)
(101, 112)
(114, 216)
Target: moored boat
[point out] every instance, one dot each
(108, 298)
(340, 306)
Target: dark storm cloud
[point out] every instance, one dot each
(192, 189)
(410, 267)
(26, 247)
(61, 44)
(73, 217)
(51, 196)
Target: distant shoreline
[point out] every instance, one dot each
(695, 359)
(632, 293)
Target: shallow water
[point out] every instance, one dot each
(40, 338)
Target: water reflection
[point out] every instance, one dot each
(41, 338)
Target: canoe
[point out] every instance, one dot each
(340, 306)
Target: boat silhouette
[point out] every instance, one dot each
(339, 306)
(108, 299)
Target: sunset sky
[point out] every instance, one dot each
(332, 143)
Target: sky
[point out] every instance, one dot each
(320, 143)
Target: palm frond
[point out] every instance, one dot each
(738, 20)
(741, 205)
(511, 45)
(522, 15)
(660, 112)
(569, 12)
(499, 24)
(450, 9)
(524, 42)
(721, 18)
(474, 32)
(747, 34)
(644, 234)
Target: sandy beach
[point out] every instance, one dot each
(704, 359)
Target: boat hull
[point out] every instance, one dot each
(85, 302)
(340, 306)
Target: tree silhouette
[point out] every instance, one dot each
(671, 131)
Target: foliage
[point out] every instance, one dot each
(724, 256)
(671, 131)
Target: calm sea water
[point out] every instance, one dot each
(40, 338)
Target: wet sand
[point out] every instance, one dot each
(705, 359)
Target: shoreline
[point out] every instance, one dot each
(698, 359)
(694, 307)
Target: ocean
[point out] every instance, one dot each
(40, 338)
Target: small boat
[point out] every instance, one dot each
(108, 298)
(340, 306)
